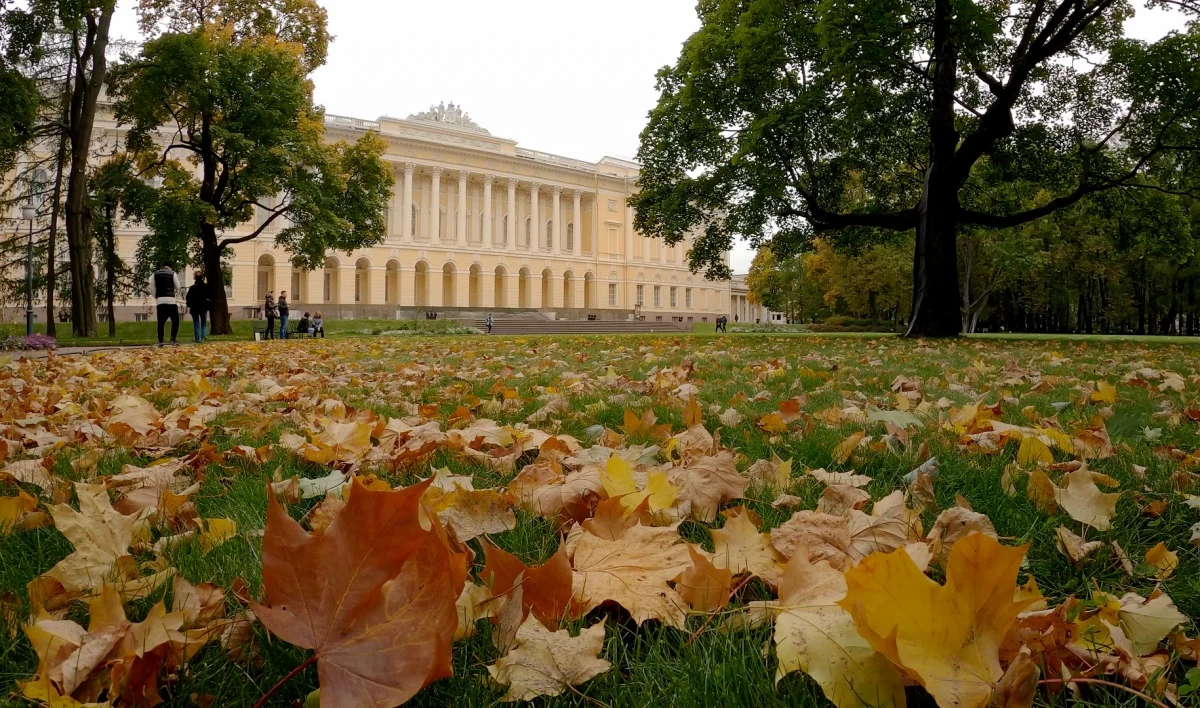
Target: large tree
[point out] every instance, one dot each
(787, 118)
(224, 117)
(18, 92)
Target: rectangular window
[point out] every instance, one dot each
(357, 287)
(641, 295)
(687, 297)
(295, 291)
(658, 296)
(612, 294)
(674, 296)
(329, 287)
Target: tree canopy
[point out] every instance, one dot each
(224, 121)
(786, 119)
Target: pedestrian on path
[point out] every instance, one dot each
(164, 288)
(269, 312)
(198, 304)
(282, 306)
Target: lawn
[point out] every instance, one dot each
(999, 416)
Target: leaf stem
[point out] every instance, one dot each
(262, 702)
(1152, 701)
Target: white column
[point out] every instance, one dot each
(406, 205)
(534, 217)
(461, 236)
(577, 219)
(435, 200)
(486, 219)
(556, 211)
(510, 235)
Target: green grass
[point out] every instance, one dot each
(653, 665)
(137, 333)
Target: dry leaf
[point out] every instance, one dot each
(546, 663)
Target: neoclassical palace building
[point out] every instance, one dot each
(476, 222)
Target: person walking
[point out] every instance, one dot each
(198, 304)
(488, 322)
(317, 326)
(282, 307)
(269, 312)
(164, 288)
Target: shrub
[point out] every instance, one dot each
(33, 342)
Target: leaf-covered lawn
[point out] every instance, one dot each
(641, 521)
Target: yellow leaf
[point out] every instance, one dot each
(217, 532)
(617, 477)
(1104, 393)
(1040, 491)
(1166, 561)
(946, 637)
(846, 447)
(1084, 501)
(1033, 451)
(814, 635)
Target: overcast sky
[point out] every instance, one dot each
(576, 79)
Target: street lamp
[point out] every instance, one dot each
(29, 213)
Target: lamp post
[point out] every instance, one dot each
(29, 213)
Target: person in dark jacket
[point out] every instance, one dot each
(164, 288)
(198, 304)
(269, 312)
(282, 306)
(304, 325)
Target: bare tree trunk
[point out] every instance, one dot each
(56, 205)
(219, 319)
(85, 97)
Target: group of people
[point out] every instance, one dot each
(273, 309)
(165, 288)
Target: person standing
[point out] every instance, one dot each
(269, 312)
(164, 288)
(488, 322)
(198, 303)
(282, 307)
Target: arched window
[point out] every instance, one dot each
(415, 216)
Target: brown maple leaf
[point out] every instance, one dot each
(374, 597)
(546, 588)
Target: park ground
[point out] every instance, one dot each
(1055, 383)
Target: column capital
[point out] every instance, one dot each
(557, 190)
(409, 168)
(488, 179)
(535, 187)
(462, 175)
(577, 193)
(512, 182)
(436, 171)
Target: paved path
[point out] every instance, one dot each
(74, 351)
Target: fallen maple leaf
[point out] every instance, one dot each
(845, 448)
(546, 663)
(100, 534)
(373, 596)
(633, 572)
(1084, 501)
(842, 540)
(815, 635)
(946, 637)
(740, 547)
(703, 586)
(705, 483)
(546, 589)
(1164, 561)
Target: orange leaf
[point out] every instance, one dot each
(546, 589)
(373, 596)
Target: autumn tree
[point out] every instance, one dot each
(788, 118)
(777, 284)
(220, 110)
(18, 92)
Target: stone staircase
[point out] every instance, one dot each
(509, 325)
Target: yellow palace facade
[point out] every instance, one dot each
(477, 223)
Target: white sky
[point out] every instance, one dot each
(576, 79)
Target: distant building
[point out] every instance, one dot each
(474, 222)
(746, 311)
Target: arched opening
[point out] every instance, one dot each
(448, 285)
(524, 287)
(421, 283)
(500, 292)
(362, 281)
(568, 289)
(474, 287)
(332, 289)
(266, 276)
(547, 288)
(392, 282)
(589, 290)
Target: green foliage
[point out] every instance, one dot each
(241, 110)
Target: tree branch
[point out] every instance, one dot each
(275, 214)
